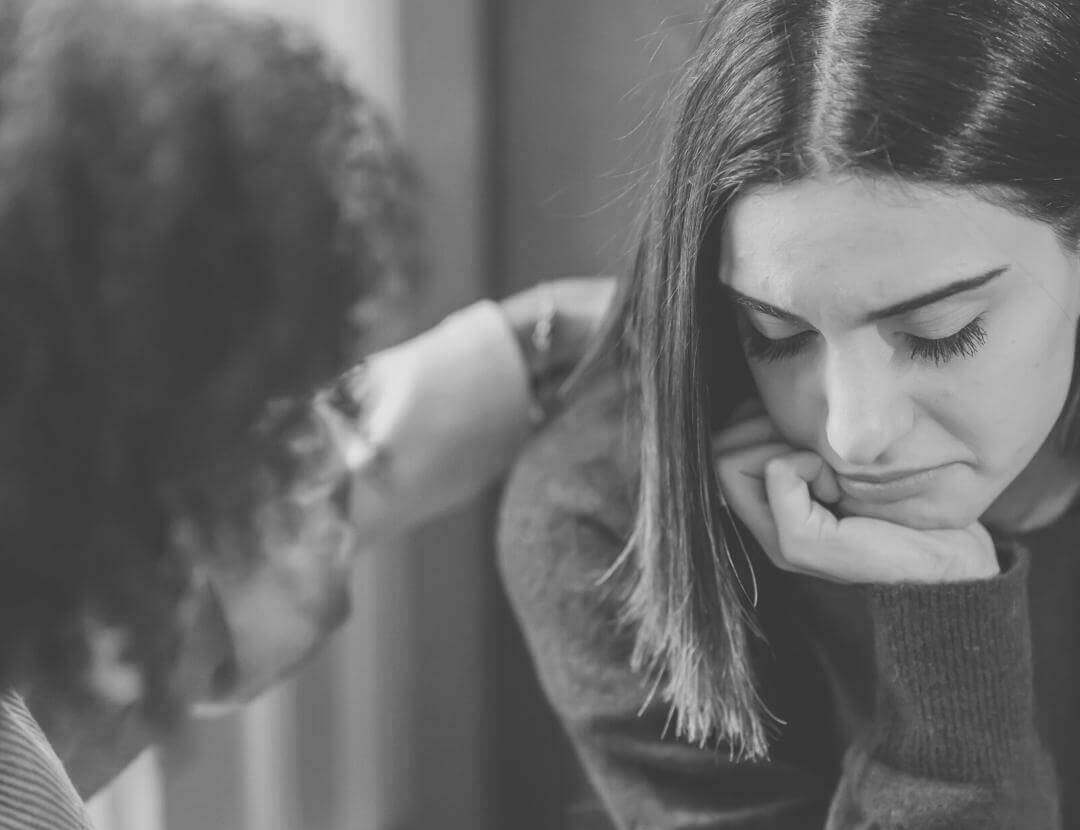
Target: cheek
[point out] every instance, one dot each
(1035, 397)
(1009, 402)
(789, 403)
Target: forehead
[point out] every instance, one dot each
(868, 242)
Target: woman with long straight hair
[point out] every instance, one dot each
(806, 557)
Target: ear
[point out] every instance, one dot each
(110, 674)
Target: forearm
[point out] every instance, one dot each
(436, 419)
(953, 741)
(428, 424)
(432, 422)
(421, 428)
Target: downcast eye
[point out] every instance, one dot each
(964, 343)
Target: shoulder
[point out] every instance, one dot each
(582, 468)
(567, 513)
(35, 790)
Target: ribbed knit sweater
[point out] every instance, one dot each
(35, 792)
(905, 706)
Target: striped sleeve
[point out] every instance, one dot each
(35, 791)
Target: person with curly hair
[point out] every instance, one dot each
(199, 221)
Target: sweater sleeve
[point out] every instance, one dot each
(35, 791)
(564, 520)
(422, 427)
(953, 742)
(437, 419)
(949, 741)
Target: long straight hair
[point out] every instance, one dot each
(982, 94)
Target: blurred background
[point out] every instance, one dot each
(531, 122)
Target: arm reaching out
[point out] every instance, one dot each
(440, 418)
(421, 429)
(437, 420)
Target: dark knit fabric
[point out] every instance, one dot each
(35, 793)
(904, 706)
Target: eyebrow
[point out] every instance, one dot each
(894, 310)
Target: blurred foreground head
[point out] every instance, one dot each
(195, 210)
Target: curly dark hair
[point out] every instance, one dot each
(194, 209)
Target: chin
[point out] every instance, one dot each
(920, 513)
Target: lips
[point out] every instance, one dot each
(886, 477)
(889, 487)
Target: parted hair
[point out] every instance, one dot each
(195, 209)
(982, 94)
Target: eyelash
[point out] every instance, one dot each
(964, 343)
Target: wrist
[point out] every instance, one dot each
(526, 311)
(520, 310)
(533, 317)
(955, 666)
(979, 560)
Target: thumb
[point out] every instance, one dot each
(788, 481)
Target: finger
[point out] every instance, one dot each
(748, 463)
(741, 479)
(811, 540)
(824, 488)
(754, 514)
(804, 527)
(787, 485)
(745, 433)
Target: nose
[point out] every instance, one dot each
(866, 408)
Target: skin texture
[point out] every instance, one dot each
(854, 399)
